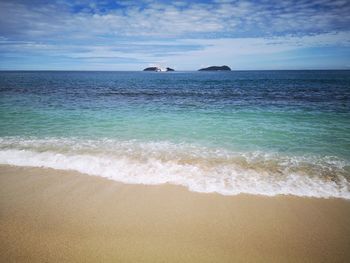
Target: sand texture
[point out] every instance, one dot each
(56, 216)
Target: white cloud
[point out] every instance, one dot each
(182, 33)
(233, 50)
(176, 52)
(174, 19)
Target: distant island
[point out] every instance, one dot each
(211, 68)
(156, 69)
(216, 68)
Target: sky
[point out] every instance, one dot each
(184, 35)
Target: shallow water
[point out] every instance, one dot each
(259, 132)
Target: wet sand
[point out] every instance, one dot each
(56, 216)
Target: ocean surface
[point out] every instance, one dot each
(255, 132)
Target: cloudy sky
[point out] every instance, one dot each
(185, 35)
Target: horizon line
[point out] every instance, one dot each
(196, 70)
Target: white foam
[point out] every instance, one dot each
(198, 168)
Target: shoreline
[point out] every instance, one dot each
(62, 216)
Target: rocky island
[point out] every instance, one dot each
(156, 69)
(216, 68)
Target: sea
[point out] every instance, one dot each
(240, 132)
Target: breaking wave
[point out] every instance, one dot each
(198, 168)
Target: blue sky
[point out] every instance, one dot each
(185, 35)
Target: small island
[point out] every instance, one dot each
(216, 68)
(156, 69)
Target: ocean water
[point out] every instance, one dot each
(255, 132)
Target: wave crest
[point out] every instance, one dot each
(199, 168)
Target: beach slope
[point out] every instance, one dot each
(56, 216)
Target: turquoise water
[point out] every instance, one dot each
(259, 132)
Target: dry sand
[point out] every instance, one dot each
(56, 216)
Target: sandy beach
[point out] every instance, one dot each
(56, 216)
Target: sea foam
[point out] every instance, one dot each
(198, 168)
